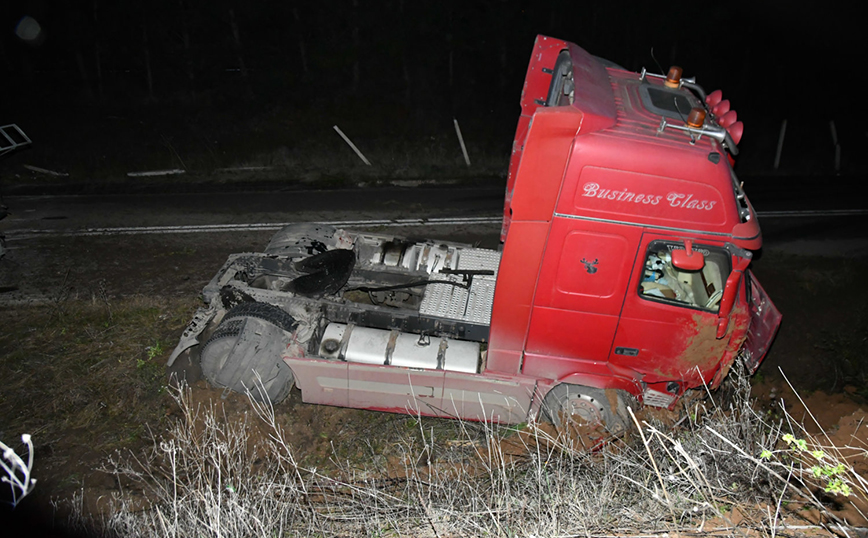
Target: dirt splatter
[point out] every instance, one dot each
(703, 349)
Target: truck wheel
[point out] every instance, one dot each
(246, 349)
(588, 414)
(301, 240)
(263, 311)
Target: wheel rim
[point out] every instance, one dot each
(582, 421)
(586, 418)
(583, 411)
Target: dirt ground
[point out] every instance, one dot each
(82, 298)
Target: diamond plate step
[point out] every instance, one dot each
(457, 303)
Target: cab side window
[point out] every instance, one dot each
(663, 282)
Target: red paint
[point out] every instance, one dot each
(591, 185)
(736, 131)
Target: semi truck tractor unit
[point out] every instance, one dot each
(623, 274)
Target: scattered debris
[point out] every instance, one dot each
(45, 171)
(153, 173)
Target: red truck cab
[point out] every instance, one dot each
(602, 194)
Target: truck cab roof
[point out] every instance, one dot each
(631, 154)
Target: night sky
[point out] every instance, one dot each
(463, 58)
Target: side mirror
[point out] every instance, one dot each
(688, 259)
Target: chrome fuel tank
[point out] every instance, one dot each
(396, 348)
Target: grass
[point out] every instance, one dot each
(723, 469)
(77, 377)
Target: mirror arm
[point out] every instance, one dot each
(729, 293)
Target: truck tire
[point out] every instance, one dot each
(263, 311)
(301, 240)
(244, 353)
(595, 414)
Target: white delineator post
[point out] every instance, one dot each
(351, 145)
(780, 144)
(837, 145)
(461, 141)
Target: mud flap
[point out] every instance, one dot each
(301, 239)
(327, 273)
(190, 337)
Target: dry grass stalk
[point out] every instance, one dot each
(206, 475)
(16, 471)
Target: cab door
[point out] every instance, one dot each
(668, 329)
(580, 290)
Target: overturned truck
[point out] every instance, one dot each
(623, 274)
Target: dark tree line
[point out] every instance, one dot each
(453, 55)
(413, 53)
(179, 50)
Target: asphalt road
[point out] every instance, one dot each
(159, 245)
(805, 215)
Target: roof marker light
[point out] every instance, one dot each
(727, 119)
(673, 78)
(736, 131)
(720, 108)
(713, 98)
(696, 118)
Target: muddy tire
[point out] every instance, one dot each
(263, 311)
(587, 414)
(244, 353)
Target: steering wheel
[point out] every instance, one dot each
(714, 300)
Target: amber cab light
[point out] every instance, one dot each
(713, 98)
(673, 78)
(736, 130)
(721, 108)
(696, 118)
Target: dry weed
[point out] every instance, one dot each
(205, 476)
